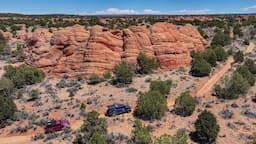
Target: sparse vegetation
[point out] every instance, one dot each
(123, 73)
(141, 134)
(236, 86)
(4, 49)
(95, 79)
(93, 131)
(210, 56)
(162, 86)
(6, 86)
(239, 56)
(151, 105)
(179, 138)
(220, 53)
(221, 39)
(184, 105)
(7, 109)
(23, 75)
(146, 65)
(200, 67)
(107, 75)
(207, 128)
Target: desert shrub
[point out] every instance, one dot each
(107, 75)
(200, 67)
(146, 65)
(93, 130)
(4, 49)
(33, 95)
(7, 110)
(184, 104)
(82, 106)
(151, 105)
(201, 31)
(221, 39)
(6, 86)
(210, 56)
(162, 86)
(123, 73)
(254, 138)
(61, 84)
(247, 75)
(239, 56)
(179, 138)
(207, 128)
(230, 51)
(246, 42)
(95, 79)
(141, 134)
(251, 66)
(236, 86)
(19, 53)
(237, 31)
(220, 53)
(23, 75)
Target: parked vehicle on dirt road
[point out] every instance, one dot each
(56, 125)
(117, 109)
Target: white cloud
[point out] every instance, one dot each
(116, 11)
(193, 12)
(150, 11)
(249, 8)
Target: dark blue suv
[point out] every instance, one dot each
(117, 109)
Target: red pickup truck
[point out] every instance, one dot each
(56, 125)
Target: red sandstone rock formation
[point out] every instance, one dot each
(77, 51)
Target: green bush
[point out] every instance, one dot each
(221, 39)
(23, 75)
(184, 105)
(94, 79)
(236, 86)
(4, 49)
(33, 95)
(210, 56)
(151, 105)
(162, 86)
(200, 67)
(7, 109)
(141, 134)
(123, 73)
(107, 75)
(246, 42)
(220, 53)
(244, 71)
(251, 66)
(146, 65)
(93, 130)
(207, 128)
(179, 138)
(239, 56)
(19, 53)
(237, 31)
(6, 86)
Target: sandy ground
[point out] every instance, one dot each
(107, 94)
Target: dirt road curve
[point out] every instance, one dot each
(204, 88)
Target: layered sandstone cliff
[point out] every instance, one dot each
(77, 51)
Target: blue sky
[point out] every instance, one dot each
(92, 7)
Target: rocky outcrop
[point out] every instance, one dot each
(77, 51)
